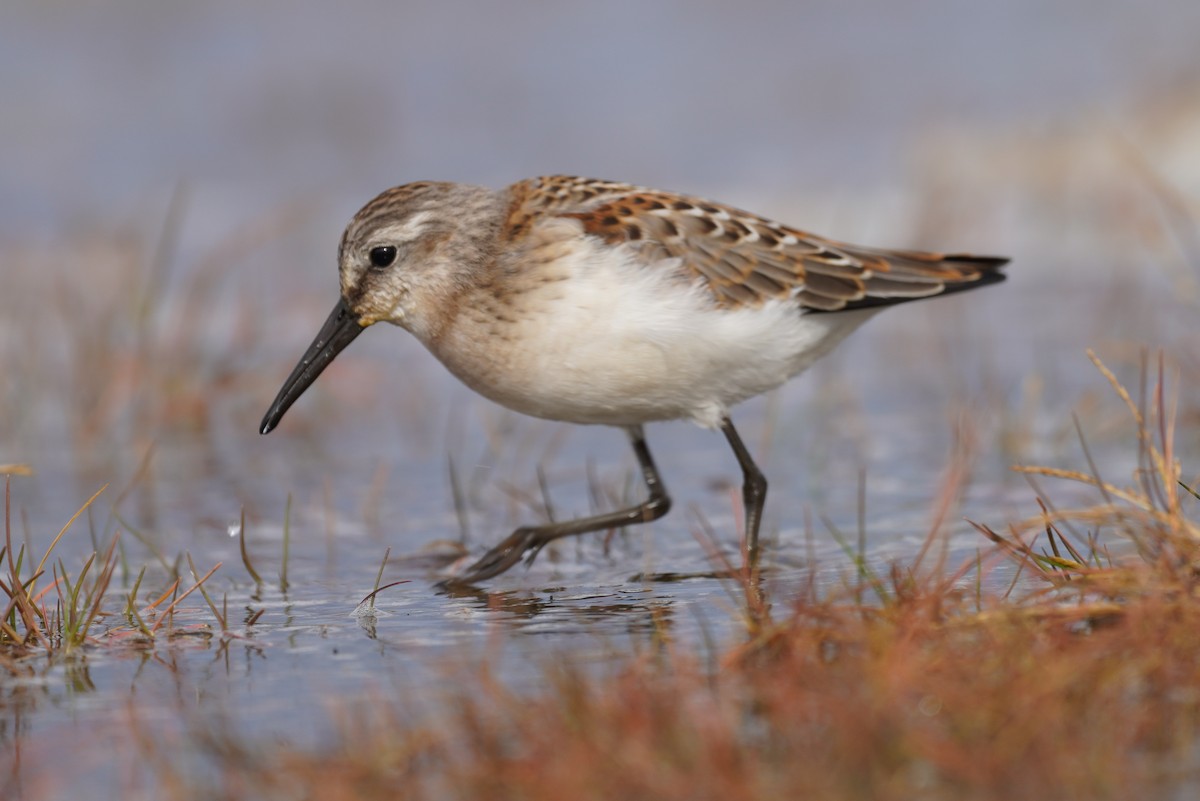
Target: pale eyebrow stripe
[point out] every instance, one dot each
(410, 229)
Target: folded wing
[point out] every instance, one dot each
(745, 259)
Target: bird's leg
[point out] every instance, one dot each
(754, 490)
(531, 539)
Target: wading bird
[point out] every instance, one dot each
(590, 301)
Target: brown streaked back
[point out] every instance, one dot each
(743, 258)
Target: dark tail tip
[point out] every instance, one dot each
(981, 262)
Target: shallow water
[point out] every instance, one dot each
(154, 379)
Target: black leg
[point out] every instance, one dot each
(754, 489)
(531, 539)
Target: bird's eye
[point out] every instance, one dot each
(383, 256)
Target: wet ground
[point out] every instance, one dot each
(168, 242)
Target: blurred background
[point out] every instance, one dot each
(175, 179)
(107, 108)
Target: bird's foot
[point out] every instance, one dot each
(502, 557)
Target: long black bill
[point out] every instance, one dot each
(339, 331)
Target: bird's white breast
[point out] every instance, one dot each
(614, 340)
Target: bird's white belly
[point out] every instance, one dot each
(619, 342)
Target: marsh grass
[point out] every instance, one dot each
(1082, 684)
(1149, 515)
(80, 611)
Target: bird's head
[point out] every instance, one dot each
(404, 259)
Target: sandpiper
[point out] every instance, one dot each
(590, 301)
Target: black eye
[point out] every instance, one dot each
(383, 256)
